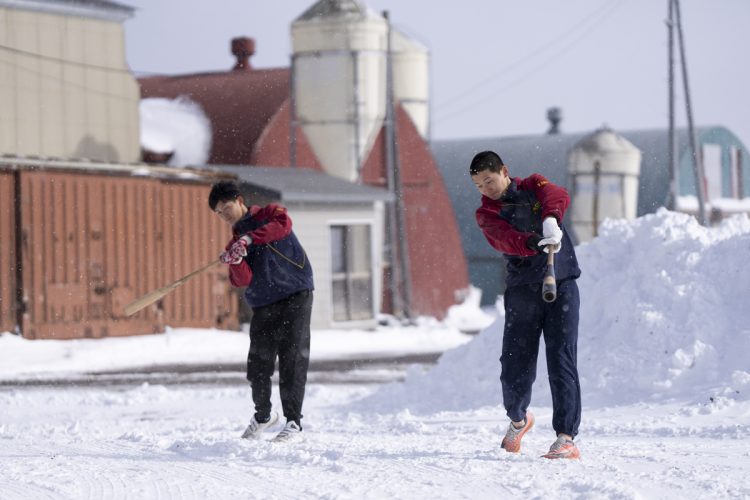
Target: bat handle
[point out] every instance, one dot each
(549, 285)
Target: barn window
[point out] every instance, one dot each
(713, 171)
(351, 272)
(736, 173)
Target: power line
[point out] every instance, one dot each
(43, 57)
(67, 83)
(600, 14)
(502, 71)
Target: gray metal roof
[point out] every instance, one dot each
(548, 155)
(305, 185)
(96, 9)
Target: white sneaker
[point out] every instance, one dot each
(290, 431)
(255, 428)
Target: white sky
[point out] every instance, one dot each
(498, 65)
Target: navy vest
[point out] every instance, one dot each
(523, 211)
(280, 268)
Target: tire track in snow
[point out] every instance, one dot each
(16, 488)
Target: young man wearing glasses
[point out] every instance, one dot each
(265, 256)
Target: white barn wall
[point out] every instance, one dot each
(311, 223)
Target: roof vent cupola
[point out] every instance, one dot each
(554, 116)
(243, 48)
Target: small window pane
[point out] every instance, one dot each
(352, 280)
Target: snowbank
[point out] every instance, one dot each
(22, 358)
(664, 314)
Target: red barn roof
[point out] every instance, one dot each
(250, 115)
(240, 104)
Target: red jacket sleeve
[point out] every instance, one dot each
(554, 199)
(239, 274)
(500, 234)
(503, 236)
(278, 223)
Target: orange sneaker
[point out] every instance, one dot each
(563, 448)
(512, 439)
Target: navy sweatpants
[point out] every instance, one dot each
(282, 330)
(526, 317)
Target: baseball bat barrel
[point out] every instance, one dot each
(549, 285)
(155, 295)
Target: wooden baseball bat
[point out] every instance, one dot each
(152, 297)
(549, 285)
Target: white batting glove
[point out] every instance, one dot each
(552, 236)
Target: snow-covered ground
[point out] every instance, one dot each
(665, 371)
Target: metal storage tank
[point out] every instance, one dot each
(411, 79)
(66, 90)
(338, 82)
(604, 168)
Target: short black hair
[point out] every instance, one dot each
(486, 160)
(223, 191)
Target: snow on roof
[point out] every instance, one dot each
(95, 9)
(326, 9)
(177, 126)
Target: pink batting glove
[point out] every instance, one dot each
(237, 251)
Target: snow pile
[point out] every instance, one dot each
(22, 358)
(176, 126)
(664, 314)
(468, 315)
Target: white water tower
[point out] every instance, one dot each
(604, 168)
(339, 53)
(411, 79)
(338, 75)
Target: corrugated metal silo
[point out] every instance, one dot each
(411, 80)
(604, 168)
(338, 80)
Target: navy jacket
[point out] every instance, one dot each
(509, 222)
(276, 265)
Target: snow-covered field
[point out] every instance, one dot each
(164, 442)
(664, 357)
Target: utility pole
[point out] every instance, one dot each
(700, 187)
(399, 253)
(672, 152)
(293, 114)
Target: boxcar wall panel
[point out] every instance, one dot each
(94, 243)
(193, 237)
(73, 245)
(129, 251)
(8, 318)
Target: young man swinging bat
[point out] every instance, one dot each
(265, 256)
(522, 218)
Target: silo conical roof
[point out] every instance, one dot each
(333, 9)
(603, 140)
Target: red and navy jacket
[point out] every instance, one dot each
(276, 265)
(513, 226)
